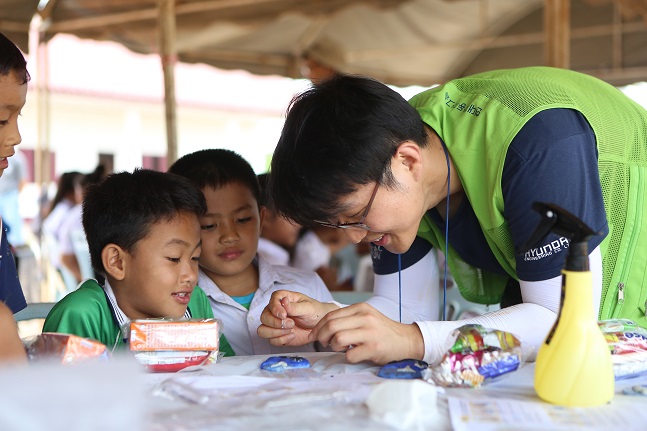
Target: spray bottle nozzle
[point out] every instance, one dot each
(556, 219)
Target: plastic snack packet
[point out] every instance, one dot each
(68, 348)
(167, 346)
(628, 344)
(476, 355)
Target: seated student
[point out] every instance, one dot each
(278, 234)
(237, 281)
(73, 224)
(144, 236)
(64, 200)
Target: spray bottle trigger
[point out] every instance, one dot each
(548, 220)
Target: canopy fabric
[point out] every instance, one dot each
(400, 42)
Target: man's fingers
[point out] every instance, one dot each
(358, 353)
(334, 323)
(273, 333)
(346, 339)
(297, 309)
(283, 340)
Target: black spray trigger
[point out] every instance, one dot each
(548, 220)
(556, 219)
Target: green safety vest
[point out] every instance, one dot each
(478, 116)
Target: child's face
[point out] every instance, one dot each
(230, 230)
(160, 274)
(12, 99)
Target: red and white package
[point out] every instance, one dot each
(170, 345)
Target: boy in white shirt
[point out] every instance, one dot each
(237, 281)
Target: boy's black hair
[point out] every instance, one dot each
(121, 209)
(337, 136)
(216, 168)
(12, 60)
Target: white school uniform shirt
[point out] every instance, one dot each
(310, 252)
(272, 252)
(52, 229)
(72, 222)
(240, 325)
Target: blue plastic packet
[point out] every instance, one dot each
(405, 369)
(278, 364)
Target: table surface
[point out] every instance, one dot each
(235, 394)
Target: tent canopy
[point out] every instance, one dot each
(400, 42)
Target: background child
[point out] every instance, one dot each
(238, 283)
(278, 235)
(144, 236)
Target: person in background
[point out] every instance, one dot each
(460, 165)
(144, 237)
(237, 280)
(64, 200)
(72, 224)
(278, 235)
(12, 182)
(315, 70)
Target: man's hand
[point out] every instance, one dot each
(289, 318)
(365, 334)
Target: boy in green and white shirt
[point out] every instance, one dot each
(144, 236)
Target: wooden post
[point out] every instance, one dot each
(168, 55)
(557, 37)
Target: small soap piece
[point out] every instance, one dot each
(278, 364)
(405, 369)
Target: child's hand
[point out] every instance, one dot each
(290, 316)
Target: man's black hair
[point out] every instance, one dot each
(338, 136)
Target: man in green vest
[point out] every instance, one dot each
(476, 152)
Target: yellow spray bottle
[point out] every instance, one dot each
(573, 366)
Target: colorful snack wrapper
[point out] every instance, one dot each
(70, 349)
(170, 345)
(628, 345)
(476, 355)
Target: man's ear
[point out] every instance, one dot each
(113, 259)
(408, 158)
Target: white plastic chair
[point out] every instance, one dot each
(34, 310)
